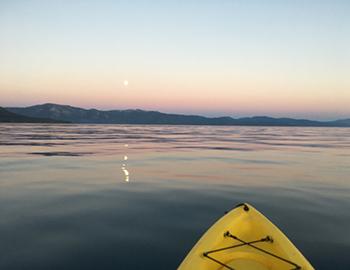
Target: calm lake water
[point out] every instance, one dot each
(139, 197)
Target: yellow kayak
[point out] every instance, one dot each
(244, 239)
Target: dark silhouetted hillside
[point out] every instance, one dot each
(79, 115)
(10, 117)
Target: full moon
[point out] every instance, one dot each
(126, 83)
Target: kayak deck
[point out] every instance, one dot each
(244, 239)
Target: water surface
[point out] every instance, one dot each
(139, 197)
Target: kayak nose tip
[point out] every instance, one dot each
(245, 207)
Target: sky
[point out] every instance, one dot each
(235, 58)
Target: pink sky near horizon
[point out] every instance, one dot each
(210, 98)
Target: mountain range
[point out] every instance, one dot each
(50, 112)
(10, 117)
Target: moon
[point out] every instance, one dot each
(126, 83)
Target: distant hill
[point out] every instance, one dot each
(342, 122)
(79, 115)
(10, 117)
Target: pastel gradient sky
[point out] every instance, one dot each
(237, 58)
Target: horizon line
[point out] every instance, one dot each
(183, 114)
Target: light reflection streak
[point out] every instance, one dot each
(126, 173)
(124, 168)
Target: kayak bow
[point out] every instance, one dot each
(244, 239)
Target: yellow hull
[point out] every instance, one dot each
(244, 239)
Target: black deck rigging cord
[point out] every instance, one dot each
(244, 243)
